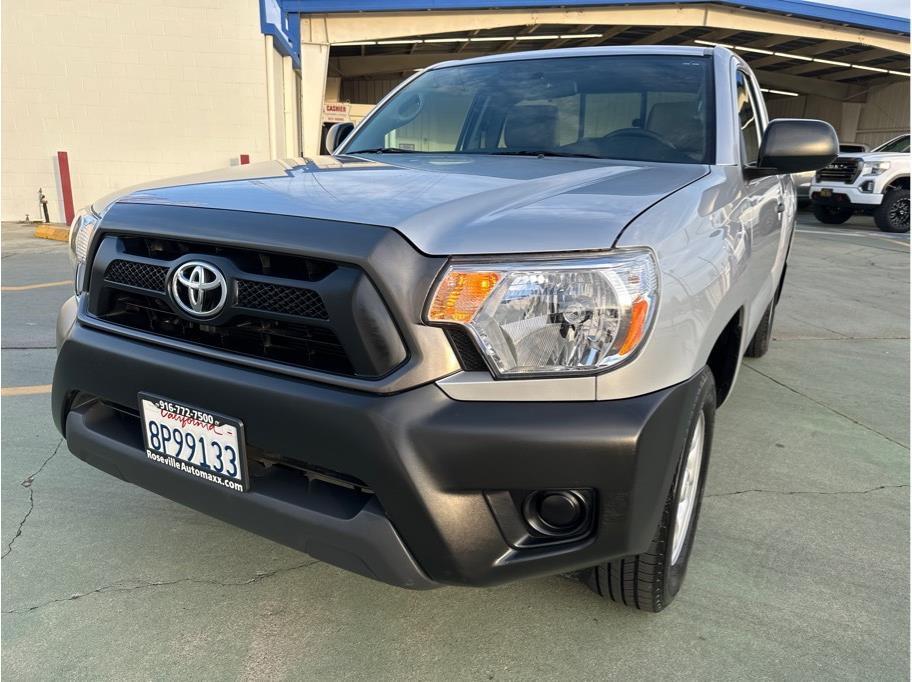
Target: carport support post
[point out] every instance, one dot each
(270, 97)
(314, 66)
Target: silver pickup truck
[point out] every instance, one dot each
(484, 340)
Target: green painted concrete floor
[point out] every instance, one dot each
(800, 568)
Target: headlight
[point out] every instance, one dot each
(547, 317)
(874, 167)
(81, 232)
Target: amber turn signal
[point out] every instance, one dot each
(460, 295)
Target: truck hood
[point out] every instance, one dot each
(880, 156)
(445, 204)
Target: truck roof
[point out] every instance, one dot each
(581, 52)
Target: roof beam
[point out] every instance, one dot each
(820, 48)
(344, 27)
(605, 37)
(561, 41)
(806, 86)
(856, 73)
(770, 41)
(718, 35)
(463, 46)
(352, 67)
(524, 31)
(659, 36)
(858, 58)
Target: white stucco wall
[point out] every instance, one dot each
(132, 89)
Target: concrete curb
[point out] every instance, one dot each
(55, 232)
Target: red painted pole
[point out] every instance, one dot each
(245, 159)
(64, 165)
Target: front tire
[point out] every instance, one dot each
(832, 215)
(893, 213)
(651, 580)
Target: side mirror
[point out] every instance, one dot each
(794, 145)
(337, 134)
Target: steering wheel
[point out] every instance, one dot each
(635, 133)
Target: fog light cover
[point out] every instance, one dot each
(546, 317)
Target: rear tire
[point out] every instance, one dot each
(760, 343)
(651, 580)
(832, 215)
(893, 213)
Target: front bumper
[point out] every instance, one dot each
(844, 195)
(433, 464)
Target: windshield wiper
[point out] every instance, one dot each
(525, 152)
(384, 150)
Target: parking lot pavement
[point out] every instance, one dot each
(800, 568)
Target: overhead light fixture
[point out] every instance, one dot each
(571, 36)
(780, 92)
(754, 49)
(832, 63)
(359, 42)
(711, 44)
(870, 68)
(538, 37)
(490, 39)
(398, 42)
(446, 40)
(792, 55)
(804, 58)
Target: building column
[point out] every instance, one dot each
(270, 97)
(314, 66)
(848, 128)
(290, 99)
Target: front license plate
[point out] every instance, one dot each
(199, 443)
(824, 192)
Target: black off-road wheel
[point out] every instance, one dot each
(893, 213)
(760, 343)
(651, 580)
(832, 215)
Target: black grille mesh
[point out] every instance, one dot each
(271, 298)
(142, 275)
(466, 351)
(841, 170)
(275, 298)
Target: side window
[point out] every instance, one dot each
(748, 122)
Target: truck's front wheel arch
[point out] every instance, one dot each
(725, 356)
(892, 215)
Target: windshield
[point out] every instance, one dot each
(634, 107)
(899, 145)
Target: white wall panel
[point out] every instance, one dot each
(132, 89)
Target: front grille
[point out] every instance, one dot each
(282, 308)
(297, 344)
(276, 298)
(841, 170)
(265, 296)
(140, 275)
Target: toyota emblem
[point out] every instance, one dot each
(199, 288)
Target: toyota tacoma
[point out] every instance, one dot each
(483, 340)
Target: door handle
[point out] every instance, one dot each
(780, 207)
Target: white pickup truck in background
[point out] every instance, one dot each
(874, 183)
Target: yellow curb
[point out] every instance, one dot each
(25, 390)
(43, 285)
(60, 234)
